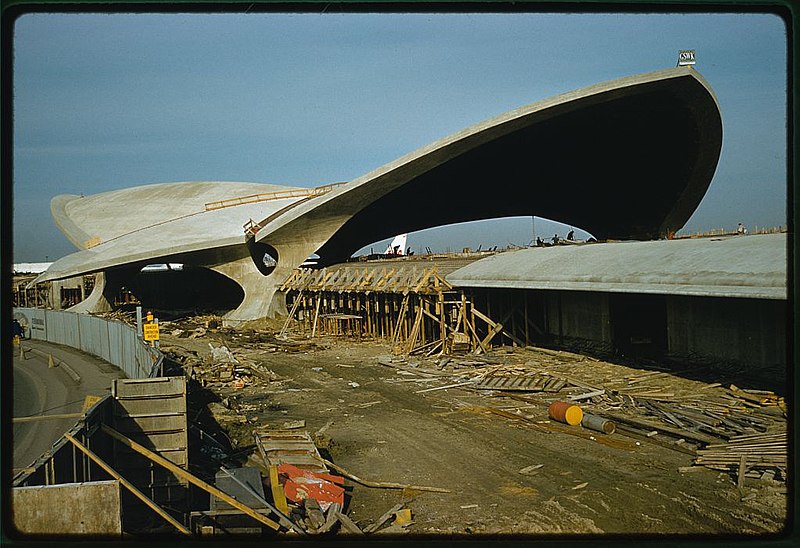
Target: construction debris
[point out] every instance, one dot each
(760, 452)
(724, 428)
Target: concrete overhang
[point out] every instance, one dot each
(136, 226)
(626, 159)
(753, 267)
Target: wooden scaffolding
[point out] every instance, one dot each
(413, 307)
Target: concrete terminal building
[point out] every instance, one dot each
(626, 159)
(722, 299)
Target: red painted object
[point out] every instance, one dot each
(302, 484)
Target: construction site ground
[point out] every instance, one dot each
(508, 468)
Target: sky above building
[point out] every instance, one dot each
(109, 101)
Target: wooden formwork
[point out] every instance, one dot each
(152, 412)
(413, 307)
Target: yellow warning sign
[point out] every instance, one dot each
(89, 401)
(150, 331)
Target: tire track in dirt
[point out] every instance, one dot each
(382, 430)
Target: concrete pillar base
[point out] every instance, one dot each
(102, 296)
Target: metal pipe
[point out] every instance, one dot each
(599, 424)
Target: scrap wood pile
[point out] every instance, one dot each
(304, 492)
(717, 424)
(211, 327)
(766, 453)
(238, 366)
(219, 366)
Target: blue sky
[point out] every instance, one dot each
(103, 101)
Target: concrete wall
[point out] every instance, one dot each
(746, 331)
(578, 317)
(82, 509)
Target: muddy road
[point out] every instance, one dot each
(508, 468)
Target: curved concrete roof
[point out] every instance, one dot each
(626, 159)
(630, 158)
(102, 217)
(734, 266)
(139, 224)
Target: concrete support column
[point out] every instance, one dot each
(261, 296)
(258, 289)
(101, 299)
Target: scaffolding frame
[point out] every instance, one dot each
(414, 308)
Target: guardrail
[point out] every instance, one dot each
(279, 195)
(111, 340)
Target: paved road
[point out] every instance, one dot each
(42, 390)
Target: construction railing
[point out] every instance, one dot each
(268, 196)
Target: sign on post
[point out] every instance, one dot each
(150, 331)
(686, 57)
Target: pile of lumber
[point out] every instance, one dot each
(756, 452)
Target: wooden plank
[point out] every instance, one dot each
(483, 317)
(277, 490)
(475, 338)
(492, 332)
(381, 484)
(465, 383)
(412, 338)
(459, 319)
(46, 417)
(400, 316)
(180, 472)
(742, 471)
(331, 518)
(423, 280)
(291, 315)
(442, 320)
(316, 316)
(348, 524)
(386, 515)
(138, 494)
(649, 425)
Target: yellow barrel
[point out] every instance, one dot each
(568, 413)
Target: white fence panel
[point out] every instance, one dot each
(34, 321)
(94, 337)
(63, 328)
(111, 341)
(114, 334)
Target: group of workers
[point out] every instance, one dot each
(555, 239)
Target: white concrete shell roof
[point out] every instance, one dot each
(109, 215)
(162, 220)
(752, 266)
(626, 159)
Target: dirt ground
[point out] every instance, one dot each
(370, 418)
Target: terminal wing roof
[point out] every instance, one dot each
(148, 222)
(630, 158)
(751, 266)
(625, 159)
